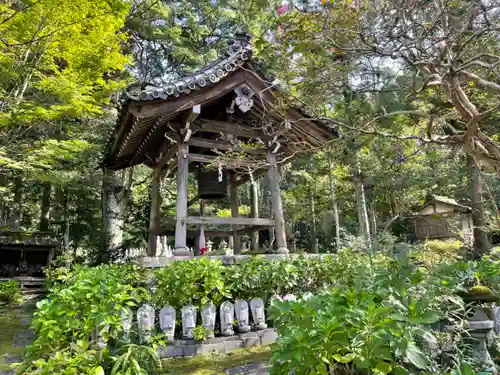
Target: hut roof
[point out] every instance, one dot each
(433, 199)
(230, 96)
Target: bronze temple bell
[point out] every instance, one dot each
(209, 186)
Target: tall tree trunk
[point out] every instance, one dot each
(364, 224)
(65, 221)
(372, 216)
(4, 209)
(333, 202)
(45, 207)
(481, 241)
(17, 212)
(115, 191)
(314, 239)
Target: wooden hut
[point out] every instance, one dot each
(24, 255)
(226, 115)
(443, 218)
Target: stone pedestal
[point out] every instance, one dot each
(480, 327)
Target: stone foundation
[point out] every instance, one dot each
(189, 348)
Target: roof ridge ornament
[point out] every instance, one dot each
(244, 99)
(240, 42)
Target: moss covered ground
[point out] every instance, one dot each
(215, 364)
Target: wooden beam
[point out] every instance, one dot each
(165, 158)
(188, 119)
(215, 220)
(253, 229)
(126, 124)
(213, 126)
(256, 174)
(224, 145)
(235, 213)
(182, 194)
(201, 158)
(172, 106)
(191, 115)
(195, 233)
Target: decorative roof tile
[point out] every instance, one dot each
(239, 51)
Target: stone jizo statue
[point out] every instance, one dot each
(145, 322)
(226, 318)
(208, 314)
(97, 338)
(258, 313)
(188, 321)
(167, 322)
(127, 318)
(241, 310)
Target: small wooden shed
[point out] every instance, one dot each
(443, 218)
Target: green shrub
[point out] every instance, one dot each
(135, 359)
(371, 322)
(91, 297)
(197, 282)
(88, 297)
(10, 292)
(348, 329)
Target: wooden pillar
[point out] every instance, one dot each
(235, 205)
(274, 184)
(197, 250)
(182, 200)
(154, 216)
(254, 211)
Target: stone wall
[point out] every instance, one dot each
(188, 348)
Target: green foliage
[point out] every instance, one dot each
(40, 57)
(81, 299)
(93, 297)
(137, 360)
(264, 278)
(200, 332)
(347, 328)
(197, 282)
(373, 322)
(10, 292)
(436, 252)
(59, 272)
(76, 360)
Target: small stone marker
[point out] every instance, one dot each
(145, 322)
(496, 319)
(258, 313)
(226, 318)
(241, 310)
(127, 318)
(97, 338)
(167, 322)
(188, 321)
(479, 328)
(208, 313)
